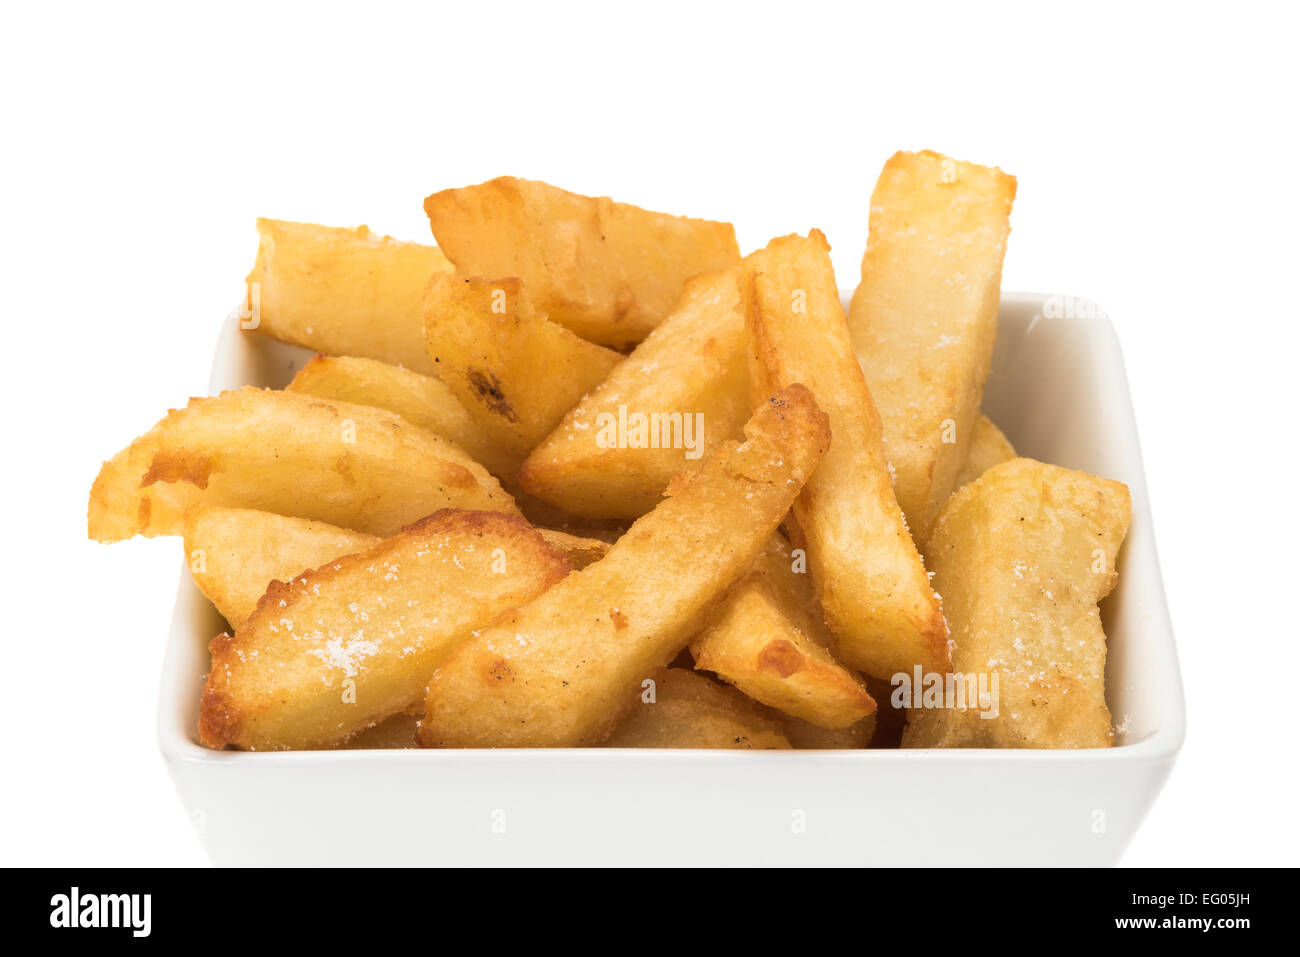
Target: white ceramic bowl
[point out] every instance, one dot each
(1059, 391)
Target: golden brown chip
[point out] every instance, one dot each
(677, 708)
(988, 447)
(680, 394)
(515, 372)
(873, 587)
(1022, 556)
(608, 271)
(351, 465)
(766, 637)
(235, 553)
(925, 315)
(342, 291)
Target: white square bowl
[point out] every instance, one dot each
(1059, 391)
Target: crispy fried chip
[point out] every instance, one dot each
(808, 737)
(562, 669)
(338, 649)
(680, 394)
(874, 590)
(1022, 556)
(351, 465)
(607, 271)
(925, 315)
(766, 637)
(421, 399)
(235, 553)
(515, 372)
(580, 551)
(342, 291)
(988, 447)
(677, 708)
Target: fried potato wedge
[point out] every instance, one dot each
(580, 551)
(808, 737)
(1022, 556)
(336, 650)
(874, 591)
(605, 270)
(359, 467)
(346, 292)
(680, 394)
(515, 372)
(677, 708)
(235, 553)
(988, 447)
(421, 399)
(925, 315)
(393, 733)
(766, 637)
(561, 670)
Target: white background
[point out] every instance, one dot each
(1158, 171)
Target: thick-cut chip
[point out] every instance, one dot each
(513, 370)
(677, 708)
(680, 394)
(580, 551)
(988, 447)
(235, 553)
(607, 271)
(766, 637)
(1022, 556)
(422, 399)
(390, 734)
(874, 590)
(925, 315)
(351, 465)
(342, 291)
(338, 649)
(808, 737)
(561, 670)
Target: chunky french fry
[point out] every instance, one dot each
(808, 737)
(925, 315)
(874, 590)
(351, 465)
(681, 393)
(338, 649)
(766, 637)
(580, 551)
(677, 708)
(235, 553)
(342, 291)
(607, 271)
(988, 447)
(392, 733)
(562, 669)
(1022, 556)
(515, 372)
(422, 399)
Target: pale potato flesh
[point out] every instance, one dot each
(421, 399)
(925, 315)
(607, 271)
(359, 467)
(689, 372)
(338, 649)
(988, 447)
(1022, 556)
(874, 591)
(677, 708)
(234, 553)
(562, 669)
(348, 292)
(515, 372)
(766, 637)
